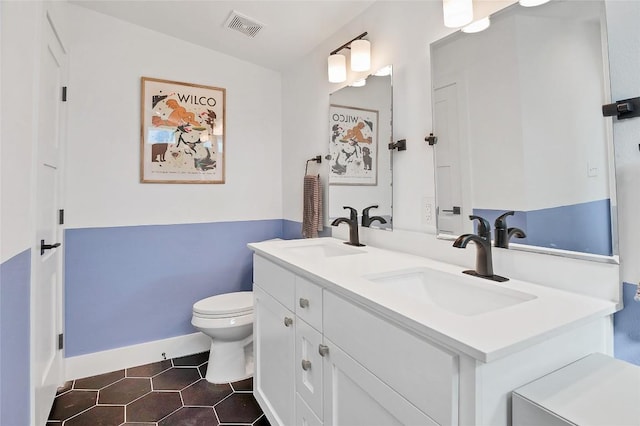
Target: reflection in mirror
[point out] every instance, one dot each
(517, 113)
(360, 168)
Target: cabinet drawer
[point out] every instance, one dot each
(275, 280)
(421, 372)
(309, 302)
(308, 366)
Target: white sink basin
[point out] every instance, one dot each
(459, 294)
(323, 249)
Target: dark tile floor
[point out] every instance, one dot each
(165, 393)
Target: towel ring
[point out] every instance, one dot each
(317, 159)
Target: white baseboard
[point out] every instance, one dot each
(131, 356)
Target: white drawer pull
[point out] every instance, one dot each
(288, 321)
(304, 303)
(306, 364)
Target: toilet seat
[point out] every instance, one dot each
(225, 305)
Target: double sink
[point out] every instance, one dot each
(455, 293)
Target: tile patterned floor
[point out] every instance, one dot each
(166, 393)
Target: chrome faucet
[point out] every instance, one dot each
(354, 239)
(367, 221)
(504, 234)
(484, 261)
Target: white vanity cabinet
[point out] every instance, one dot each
(359, 377)
(326, 355)
(287, 335)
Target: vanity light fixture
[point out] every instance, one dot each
(457, 13)
(360, 59)
(477, 26)
(532, 3)
(383, 72)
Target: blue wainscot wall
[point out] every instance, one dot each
(130, 285)
(584, 227)
(15, 293)
(626, 327)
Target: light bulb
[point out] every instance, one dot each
(457, 13)
(532, 3)
(360, 55)
(337, 68)
(477, 26)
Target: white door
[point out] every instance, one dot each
(46, 291)
(354, 396)
(274, 345)
(451, 212)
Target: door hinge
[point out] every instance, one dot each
(60, 341)
(64, 93)
(61, 217)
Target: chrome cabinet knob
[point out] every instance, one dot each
(306, 364)
(288, 321)
(304, 303)
(323, 350)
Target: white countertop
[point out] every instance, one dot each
(485, 337)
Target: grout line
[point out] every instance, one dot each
(214, 405)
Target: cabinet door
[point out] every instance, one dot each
(274, 340)
(353, 396)
(308, 366)
(305, 415)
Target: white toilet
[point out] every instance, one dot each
(228, 320)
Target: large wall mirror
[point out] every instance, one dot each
(360, 166)
(517, 112)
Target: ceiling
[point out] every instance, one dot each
(291, 29)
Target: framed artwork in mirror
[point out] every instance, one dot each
(181, 132)
(353, 145)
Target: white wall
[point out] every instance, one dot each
(20, 29)
(107, 59)
(561, 117)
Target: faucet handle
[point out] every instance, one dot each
(484, 228)
(365, 211)
(353, 214)
(501, 221)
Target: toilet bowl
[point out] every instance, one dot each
(228, 320)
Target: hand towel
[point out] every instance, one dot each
(312, 206)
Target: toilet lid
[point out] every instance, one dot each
(229, 304)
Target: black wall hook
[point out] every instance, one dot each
(626, 108)
(401, 145)
(431, 139)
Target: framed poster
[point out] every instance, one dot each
(353, 146)
(181, 132)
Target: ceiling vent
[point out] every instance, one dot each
(239, 22)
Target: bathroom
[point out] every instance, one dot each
(137, 256)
